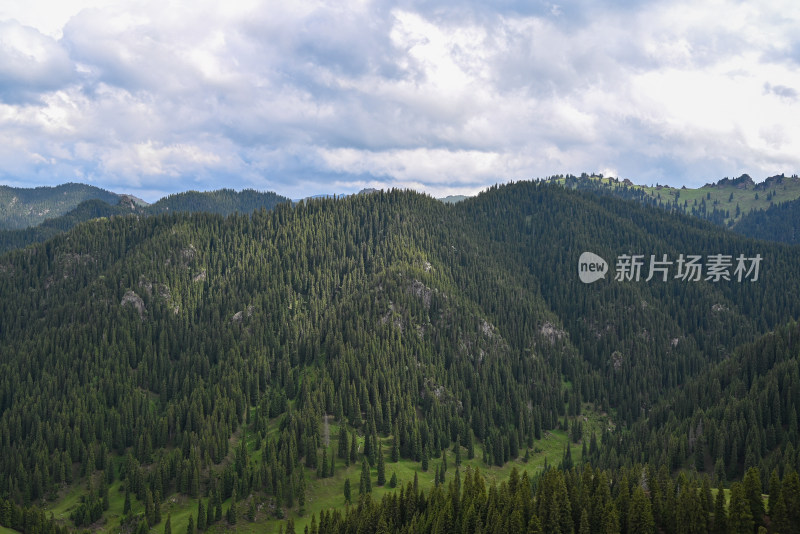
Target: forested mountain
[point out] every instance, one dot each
(776, 223)
(23, 207)
(85, 211)
(245, 364)
(222, 202)
(764, 210)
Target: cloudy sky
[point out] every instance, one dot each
(447, 97)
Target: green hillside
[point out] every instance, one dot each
(250, 364)
(22, 207)
(724, 202)
(222, 202)
(780, 222)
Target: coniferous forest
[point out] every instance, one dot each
(387, 362)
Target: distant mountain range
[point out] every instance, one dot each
(28, 204)
(22, 208)
(265, 362)
(766, 210)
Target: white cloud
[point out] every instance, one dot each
(302, 96)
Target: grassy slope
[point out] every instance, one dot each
(326, 493)
(716, 195)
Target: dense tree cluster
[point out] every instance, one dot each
(222, 202)
(207, 355)
(24, 207)
(581, 500)
(780, 222)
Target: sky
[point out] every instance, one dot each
(320, 97)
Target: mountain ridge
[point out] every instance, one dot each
(401, 321)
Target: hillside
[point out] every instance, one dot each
(189, 362)
(777, 223)
(222, 202)
(22, 207)
(724, 202)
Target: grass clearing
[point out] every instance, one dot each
(326, 493)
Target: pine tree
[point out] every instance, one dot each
(365, 484)
(157, 507)
(566, 462)
(395, 457)
(584, 524)
(202, 516)
(343, 448)
(610, 519)
(190, 527)
(252, 510)
(752, 488)
(720, 516)
(149, 508)
(232, 515)
(381, 468)
(790, 490)
(168, 525)
(353, 450)
(347, 490)
(640, 514)
(740, 518)
(774, 488)
(779, 515)
(323, 470)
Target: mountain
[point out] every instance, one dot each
(223, 202)
(22, 207)
(253, 363)
(452, 199)
(725, 202)
(779, 222)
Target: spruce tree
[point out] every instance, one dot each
(353, 449)
(209, 514)
(365, 484)
(343, 452)
(752, 489)
(720, 515)
(381, 468)
(740, 517)
(640, 514)
(202, 516)
(774, 488)
(395, 454)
